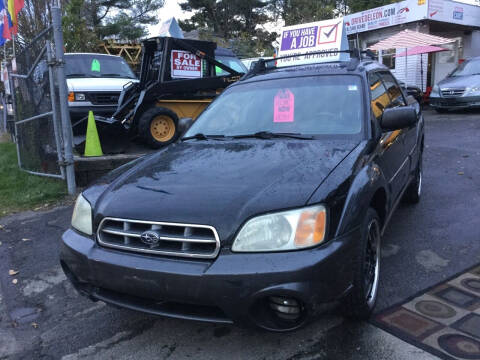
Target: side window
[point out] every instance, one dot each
(380, 99)
(393, 89)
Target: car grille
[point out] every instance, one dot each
(452, 92)
(104, 98)
(171, 239)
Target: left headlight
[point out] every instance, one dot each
(82, 216)
(287, 230)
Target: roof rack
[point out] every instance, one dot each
(355, 54)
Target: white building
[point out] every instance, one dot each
(452, 19)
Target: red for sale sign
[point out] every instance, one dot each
(185, 65)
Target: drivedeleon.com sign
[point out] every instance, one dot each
(400, 12)
(327, 37)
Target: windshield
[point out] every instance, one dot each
(232, 63)
(471, 67)
(97, 65)
(317, 105)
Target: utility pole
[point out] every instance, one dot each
(63, 95)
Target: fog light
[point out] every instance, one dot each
(285, 308)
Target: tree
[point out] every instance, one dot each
(86, 22)
(237, 22)
(303, 11)
(353, 6)
(34, 17)
(125, 19)
(77, 35)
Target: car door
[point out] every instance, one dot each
(407, 135)
(392, 153)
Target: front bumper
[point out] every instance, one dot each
(79, 111)
(79, 114)
(463, 102)
(233, 288)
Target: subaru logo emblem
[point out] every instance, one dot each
(150, 238)
(452, 92)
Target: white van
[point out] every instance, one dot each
(95, 82)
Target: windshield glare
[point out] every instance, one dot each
(232, 63)
(97, 65)
(316, 105)
(471, 67)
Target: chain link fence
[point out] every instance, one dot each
(36, 126)
(3, 114)
(42, 128)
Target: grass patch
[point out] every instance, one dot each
(22, 191)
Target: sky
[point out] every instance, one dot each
(472, 2)
(170, 9)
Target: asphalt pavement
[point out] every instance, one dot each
(42, 317)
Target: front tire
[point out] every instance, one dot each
(414, 190)
(360, 302)
(157, 127)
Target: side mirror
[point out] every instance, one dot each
(398, 118)
(411, 101)
(183, 125)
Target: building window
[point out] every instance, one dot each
(389, 58)
(351, 44)
(446, 57)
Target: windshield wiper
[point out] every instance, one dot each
(118, 75)
(271, 135)
(111, 75)
(76, 75)
(200, 136)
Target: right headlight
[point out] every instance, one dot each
(80, 97)
(435, 91)
(82, 216)
(286, 230)
(73, 96)
(472, 91)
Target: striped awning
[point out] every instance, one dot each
(407, 39)
(418, 50)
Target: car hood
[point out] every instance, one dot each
(460, 82)
(97, 84)
(220, 183)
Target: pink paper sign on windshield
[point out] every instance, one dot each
(284, 106)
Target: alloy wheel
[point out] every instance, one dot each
(372, 262)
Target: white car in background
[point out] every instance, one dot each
(95, 82)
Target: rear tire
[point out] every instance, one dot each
(360, 302)
(157, 127)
